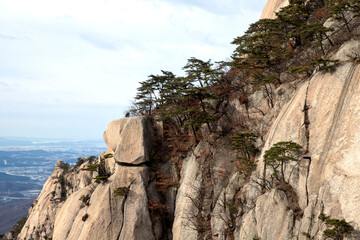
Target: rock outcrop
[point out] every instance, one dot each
(40, 223)
(119, 137)
(272, 7)
(73, 206)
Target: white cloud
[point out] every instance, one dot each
(95, 52)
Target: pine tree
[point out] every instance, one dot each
(292, 18)
(279, 155)
(144, 98)
(174, 99)
(261, 50)
(338, 9)
(317, 32)
(152, 92)
(201, 74)
(244, 144)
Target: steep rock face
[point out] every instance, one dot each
(40, 223)
(185, 211)
(328, 181)
(107, 212)
(119, 137)
(91, 210)
(271, 7)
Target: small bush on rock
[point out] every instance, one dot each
(103, 175)
(64, 166)
(91, 158)
(109, 155)
(91, 168)
(336, 229)
(256, 237)
(79, 162)
(121, 191)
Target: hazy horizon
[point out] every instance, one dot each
(40, 140)
(50, 138)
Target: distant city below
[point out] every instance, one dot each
(25, 165)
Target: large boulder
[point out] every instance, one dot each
(129, 139)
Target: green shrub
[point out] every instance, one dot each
(92, 158)
(326, 65)
(299, 69)
(79, 162)
(100, 169)
(101, 178)
(232, 208)
(121, 191)
(64, 166)
(336, 229)
(109, 155)
(91, 168)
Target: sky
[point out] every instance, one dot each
(68, 68)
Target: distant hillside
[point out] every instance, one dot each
(12, 178)
(11, 212)
(16, 183)
(14, 186)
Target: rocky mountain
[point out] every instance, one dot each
(271, 7)
(157, 182)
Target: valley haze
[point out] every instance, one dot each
(25, 165)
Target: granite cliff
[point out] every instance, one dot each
(272, 7)
(138, 190)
